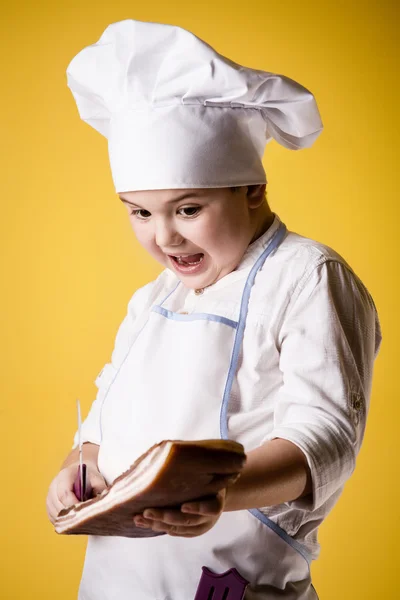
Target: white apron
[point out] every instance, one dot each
(175, 383)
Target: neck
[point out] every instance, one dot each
(264, 219)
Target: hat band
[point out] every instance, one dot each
(186, 146)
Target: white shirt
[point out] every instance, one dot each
(305, 370)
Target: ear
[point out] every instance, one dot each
(256, 195)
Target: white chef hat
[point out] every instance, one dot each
(179, 115)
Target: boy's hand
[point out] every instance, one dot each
(193, 519)
(61, 495)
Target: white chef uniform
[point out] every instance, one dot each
(281, 347)
(302, 372)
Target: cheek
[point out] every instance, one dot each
(226, 236)
(142, 231)
(142, 234)
(145, 237)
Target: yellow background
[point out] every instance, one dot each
(70, 262)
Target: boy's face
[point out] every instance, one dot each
(201, 234)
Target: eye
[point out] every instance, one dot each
(140, 213)
(189, 211)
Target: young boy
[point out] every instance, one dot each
(251, 332)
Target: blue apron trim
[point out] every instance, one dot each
(274, 243)
(244, 306)
(194, 317)
(282, 533)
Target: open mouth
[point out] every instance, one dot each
(188, 264)
(190, 260)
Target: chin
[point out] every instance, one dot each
(200, 281)
(194, 283)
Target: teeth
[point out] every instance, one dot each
(181, 262)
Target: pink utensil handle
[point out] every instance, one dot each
(86, 493)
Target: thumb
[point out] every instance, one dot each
(97, 482)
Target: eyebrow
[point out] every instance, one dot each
(183, 197)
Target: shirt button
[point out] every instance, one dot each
(199, 291)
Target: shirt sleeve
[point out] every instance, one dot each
(328, 342)
(91, 430)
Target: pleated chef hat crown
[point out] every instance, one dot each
(179, 115)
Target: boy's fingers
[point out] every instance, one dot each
(220, 482)
(67, 498)
(207, 506)
(172, 517)
(57, 506)
(53, 508)
(60, 496)
(98, 484)
(50, 511)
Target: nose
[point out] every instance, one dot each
(166, 234)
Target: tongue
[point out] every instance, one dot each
(191, 259)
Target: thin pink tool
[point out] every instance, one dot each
(82, 488)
